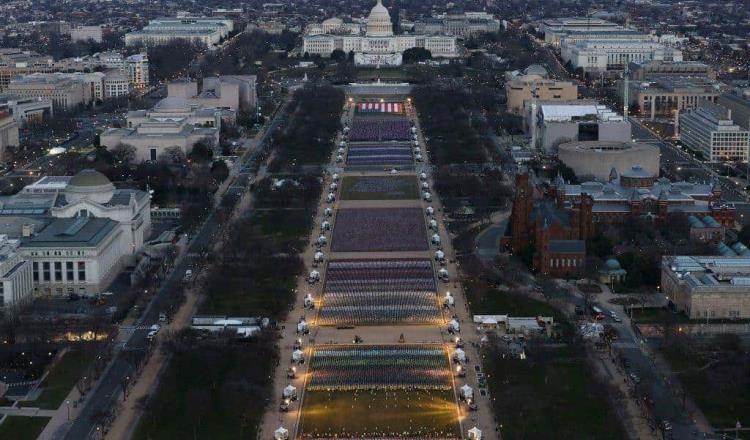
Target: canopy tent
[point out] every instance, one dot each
(333, 186)
(433, 224)
(318, 256)
(322, 240)
(475, 434)
(281, 434)
(459, 355)
(394, 171)
(309, 301)
(425, 185)
(325, 225)
(328, 212)
(430, 210)
(335, 177)
(298, 355)
(423, 176)
(314, 275)
(290, 392)
(439, 255)
(436, 238)
(331, 197)
(443, 274)
(342, 150)
(448, 300)
(453, 325)
(302, 326)
(418, 157)
(467, 392)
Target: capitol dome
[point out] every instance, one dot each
(379, 21)
(89, 184)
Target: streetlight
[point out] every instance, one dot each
(67, 402)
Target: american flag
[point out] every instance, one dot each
(380, 107)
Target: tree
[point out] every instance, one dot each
(219, 170)
(124, 154)
(201, 152)
(338, 55)
(416, 54)
(172, 156)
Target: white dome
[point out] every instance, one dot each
(89, 184)
(379, 21)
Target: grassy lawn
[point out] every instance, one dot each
(283, 224)
(378, 413)
(383, 74)
(22, 428)
(486, 300)
(379, 188)
(61, 379)
(657, 316)
(243, 297)
(211, 391)
(549, 395)
(719, 387)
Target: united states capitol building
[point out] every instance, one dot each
(375, 45)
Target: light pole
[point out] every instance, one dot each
(67, 402)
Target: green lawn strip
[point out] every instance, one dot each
(487, 300)
(716, 389)
(210, 391)
(378, 413)
(22, 428)
(403, 187)
(61, 379)
(548, 395)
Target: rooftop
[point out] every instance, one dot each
(72, 232)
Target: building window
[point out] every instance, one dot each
(35, 267)
(45, 271)
(69, 271)
(81, 271)
(153, 154)
(58, 271)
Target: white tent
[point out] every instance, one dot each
(394, 171)
(435, 238)
(302, 326)
(443, 274)
(339, 158)
(439, 255)
(448, 300)
(414, 136)
(467, 392)
(427, 196)
(325, 225)
(309, 300)
(314, 276)
(416, 150)
(322, 240)
(328, 212)
(453, 325)
(414, 129)
(459, 355)
(346, 129)
(425, 185)
(433, 224)
(342, 150)
(342, 144)
(335, 177)
(475, 434)
(290, 392)
(416, 143)
(423, 176)
(333, 186)
(430, 210)
(318, 256)
(298, 355)
(418, 157)
(281, 434)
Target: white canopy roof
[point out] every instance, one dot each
(440, 254)
(454, 324)
(281, 434)
(298, 355)
(475, 433)
(443, 271)
(290, 390)
(460, 354)
(467, 391)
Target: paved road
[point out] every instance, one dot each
(108, 391)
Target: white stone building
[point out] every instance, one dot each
(601, 55)
(208, 31)
(8, 133)
(710, 131)
(378, 46)
(16, 281)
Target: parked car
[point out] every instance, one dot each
(151, 334)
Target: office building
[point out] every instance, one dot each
(662, 97)
(26, 110)
(595, 56)
(232, 92)
(65, 91)
(208, 31)
(738, 102)
(519, 90)
(708, 287)
(86, 33)
(710, 132)
(136, 68)
(17, 62)
(555, 29)
(16, 284)
(650, 70)
(460, 25)
(8, 133)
